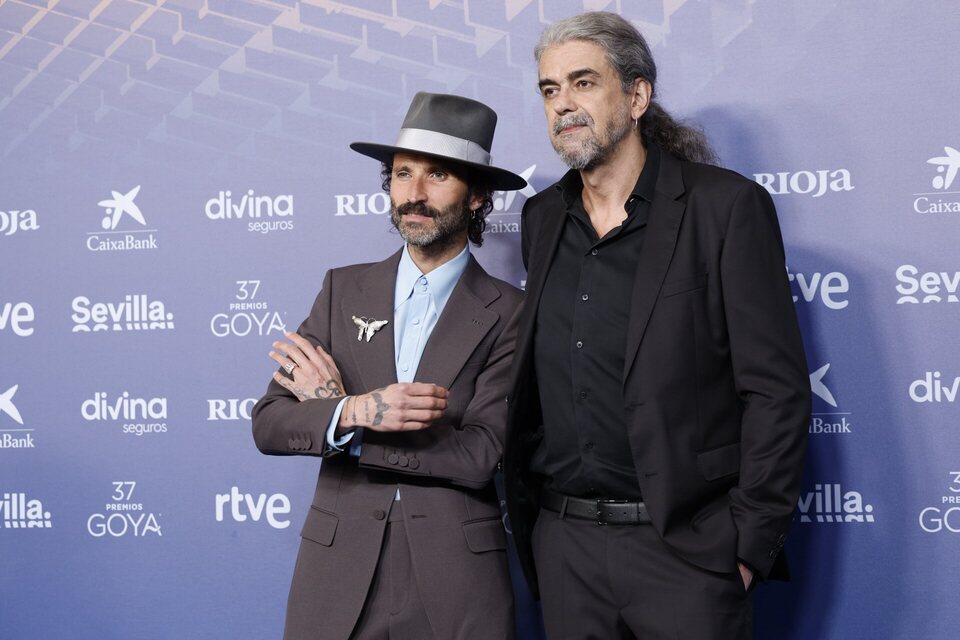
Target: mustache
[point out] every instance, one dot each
(418, 208)
(572, 120)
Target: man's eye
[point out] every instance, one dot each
(438, 175)
(401, 174)
(583, 84)
(548, 92)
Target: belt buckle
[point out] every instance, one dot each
(602, 501)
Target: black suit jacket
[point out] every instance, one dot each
(715, 385)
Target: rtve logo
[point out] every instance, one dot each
(18, 316)
(932, 286)
(244, 505)
(13, 221)
(828, 289)
(812, 183)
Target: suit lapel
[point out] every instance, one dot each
(373, 299)
(462, 325)
(543, 248)
(663, 227)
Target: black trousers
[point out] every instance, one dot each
(622, 582)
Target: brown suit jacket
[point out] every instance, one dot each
(444, 472)
(715, 387)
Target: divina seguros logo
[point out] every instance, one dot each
(117, 209)
(15, 220)
(942, 199)
(498, 221)
(137, 312)
(136, 416)
(933, 387)
(264, 214)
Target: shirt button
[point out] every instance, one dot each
(416, 321)
(585, 297)
(405, 367)
(579, 346)
(594, 252)
(588, 446)
(583, 395)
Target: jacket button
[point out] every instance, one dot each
(403, 461)
(773, 554)
(392, 458)
(414, 463)
(379, 514)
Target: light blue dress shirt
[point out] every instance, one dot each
(418, 301)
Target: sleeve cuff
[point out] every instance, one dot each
(332, 441)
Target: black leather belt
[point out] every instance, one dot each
(600, 510)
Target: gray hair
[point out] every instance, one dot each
(629, 55)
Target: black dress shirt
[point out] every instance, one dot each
(579, 345)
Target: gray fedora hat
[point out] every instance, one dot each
(451, 128)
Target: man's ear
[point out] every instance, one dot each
(641, 96)
(475, 202)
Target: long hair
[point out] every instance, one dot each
(475, 187)
(627, 52)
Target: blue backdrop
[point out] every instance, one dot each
(175, 180)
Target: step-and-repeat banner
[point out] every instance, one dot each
(176, 180)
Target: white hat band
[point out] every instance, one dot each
(442, 144)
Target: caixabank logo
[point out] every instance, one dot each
(119, 230)
(945, 198)
(257, 213)
(248, 314)
(13, 433)
(916, 286)
(124, 516)
(832, 502)
(504, 218)
(944, 517)
(831, 420)
(18, 511)
(14, 221)
(132, 312)
(130, 414)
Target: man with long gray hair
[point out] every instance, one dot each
(658, 417)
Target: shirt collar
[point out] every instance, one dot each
(442, 279)
(571, 186)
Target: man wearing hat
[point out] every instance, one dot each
(397, 378)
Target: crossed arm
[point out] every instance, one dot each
(397, 407)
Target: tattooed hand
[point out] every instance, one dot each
(405, 406)
(316, 374)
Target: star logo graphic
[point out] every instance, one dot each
(947, 165)
(819, 389)
(119, 204)
(7, 406)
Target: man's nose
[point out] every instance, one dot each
(417, 190)
(563, 101)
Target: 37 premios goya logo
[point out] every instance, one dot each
(945, 517)
(248, 314)
(123, 227)
(123, 517)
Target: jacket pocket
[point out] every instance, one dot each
(485, 535)
(682, 285)
(720, 462)
(320, 527)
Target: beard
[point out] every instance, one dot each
(594, 149)
(448, 224)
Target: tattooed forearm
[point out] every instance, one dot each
(381, 408)
(329, 390)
